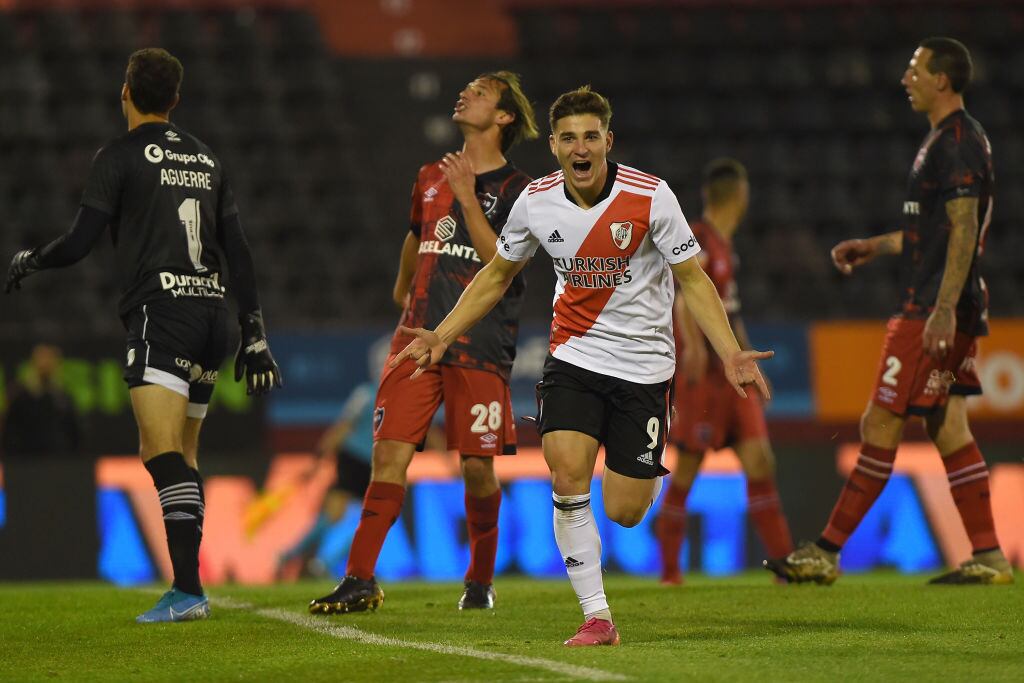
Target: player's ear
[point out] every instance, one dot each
(504, 117)
(609, 140)
(551, 144)
(177, 98)
(125, 96)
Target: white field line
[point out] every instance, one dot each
(326, 628)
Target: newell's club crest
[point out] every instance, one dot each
(622, 234)
(488, 202)
(378, 418)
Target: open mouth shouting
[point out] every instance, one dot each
(582, 169)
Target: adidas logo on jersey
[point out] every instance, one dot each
(646, 458)
(555, 237)
(571, 562)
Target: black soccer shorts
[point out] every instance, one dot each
(630, 419)
(177, 344)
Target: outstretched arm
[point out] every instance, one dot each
(851, 254)
(940, 329)
(69, 248)
(482, 294)
(704, 303)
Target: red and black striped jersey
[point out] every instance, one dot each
(955, 160)
(719, 261)
(448, 262)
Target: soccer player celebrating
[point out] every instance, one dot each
(174, 225)
(709, 413)
(927, 366)
(458, 203)
(616, 236)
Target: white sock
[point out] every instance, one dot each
(580, 545)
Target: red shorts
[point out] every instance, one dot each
(912, 382)
(477, 408)
(711, 415)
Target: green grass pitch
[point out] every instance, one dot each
(880, 626)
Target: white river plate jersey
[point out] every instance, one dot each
(613, 295)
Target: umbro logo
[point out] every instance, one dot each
(555, 237)
(571, 562)
(646, 458)
(172, 136)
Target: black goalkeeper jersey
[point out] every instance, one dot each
(955, 160)
(167, 194)
(448, 262)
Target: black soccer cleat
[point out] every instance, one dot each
(351, 595)
(477, 596)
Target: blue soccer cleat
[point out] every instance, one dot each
(175, 605)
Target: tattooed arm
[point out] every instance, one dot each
(940, 329)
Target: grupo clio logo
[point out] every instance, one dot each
(154, 154)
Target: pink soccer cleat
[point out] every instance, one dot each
(594, 632)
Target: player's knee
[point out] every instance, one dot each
(152, 445)
(390, 461)
(477, 472)
(948, 430)
(758, 460)
(625, 514)
(880, 427)
(567, 482)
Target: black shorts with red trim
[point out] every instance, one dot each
(630, 419)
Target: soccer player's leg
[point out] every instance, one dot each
(571, 456)
(755, 455)
(402, 417)
(696, 426)
(670, 524)
(160, 413)
(949, 429)
(903, 377)
(634, 447)
(480, 426)
(571, 421)
(165, 339)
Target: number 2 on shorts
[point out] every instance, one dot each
(894, 366)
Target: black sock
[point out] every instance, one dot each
(181, 501)
(828, 546)
(202, 505)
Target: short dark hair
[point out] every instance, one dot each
(514, 101)
(721, 178)
(582, 100)
(950, 57)
(153, 78)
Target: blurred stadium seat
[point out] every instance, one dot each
(322, 148)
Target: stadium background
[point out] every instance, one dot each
(322, 112)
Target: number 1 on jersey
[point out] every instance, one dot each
(188, 214)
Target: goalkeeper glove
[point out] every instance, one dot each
(253, 358)
(23, 264)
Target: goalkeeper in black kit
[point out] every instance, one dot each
(174, 225)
